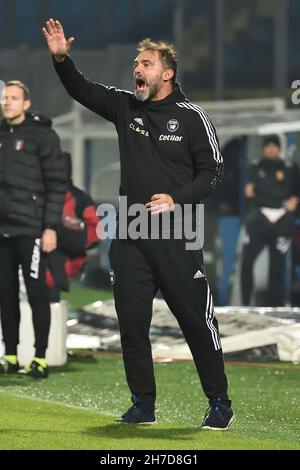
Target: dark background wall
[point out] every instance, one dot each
(258, 38)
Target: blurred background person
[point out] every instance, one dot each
(272, 191)
(32, 188)
(75, 235)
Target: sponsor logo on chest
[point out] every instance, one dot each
(137, 127)
(19, 145)
(173, 138)
(172, 126)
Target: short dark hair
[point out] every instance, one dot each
(272, 139)
(166, 51)
(21, 85)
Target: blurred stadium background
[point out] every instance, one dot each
(238, 60)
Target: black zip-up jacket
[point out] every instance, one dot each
(167, 146)
(274, 182)
(32, 177)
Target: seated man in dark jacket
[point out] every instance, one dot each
(75, 234)
(32, 189)
(272, 190)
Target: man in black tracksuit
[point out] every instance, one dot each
(272, 191)
(169, 155)
(32, 187)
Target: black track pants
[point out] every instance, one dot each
(260, 233)
(142, 267)
(23, 251)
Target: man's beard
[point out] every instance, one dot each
(147, 94)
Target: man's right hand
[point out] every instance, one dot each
(58, 45)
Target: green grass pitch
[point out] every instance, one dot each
(77, 406)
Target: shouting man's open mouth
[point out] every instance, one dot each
(141, 88)
(145, 88)
(140, 84)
